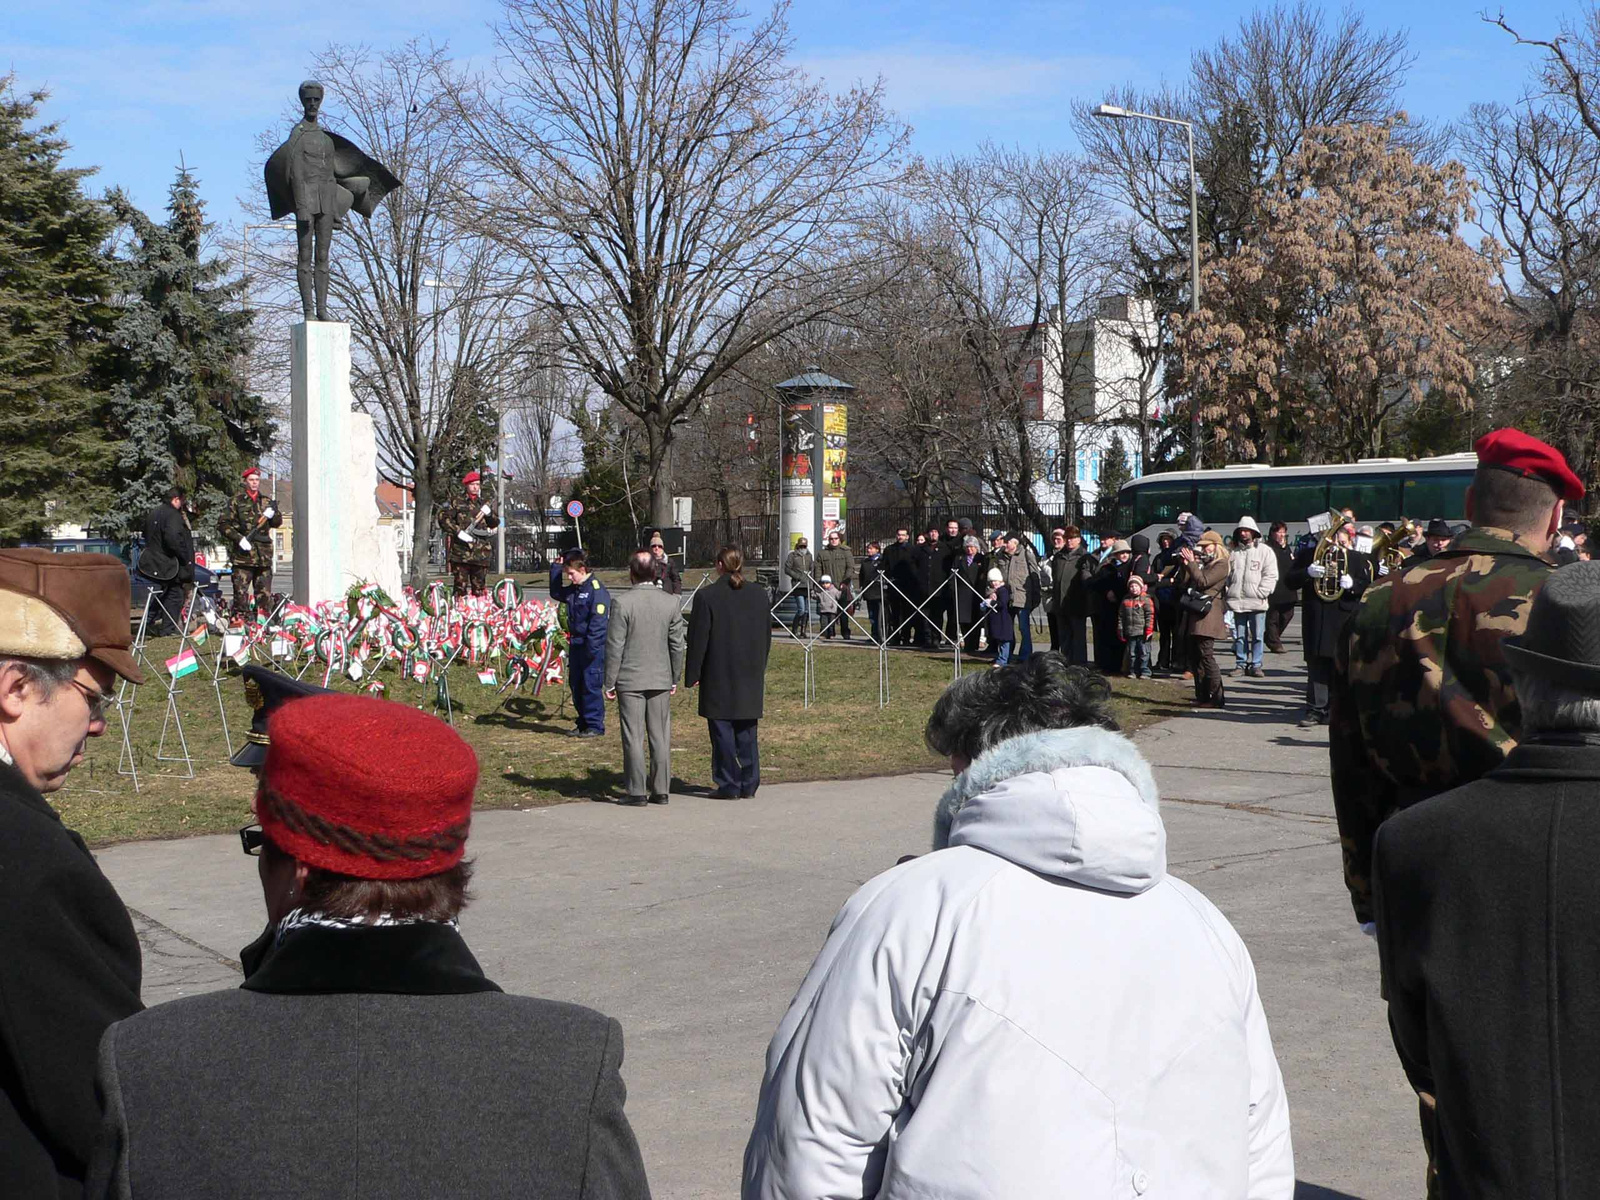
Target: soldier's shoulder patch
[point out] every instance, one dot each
(600, 608)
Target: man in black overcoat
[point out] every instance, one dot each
(167, 560)
(69, 959)
(1486, 901)
(366, 1052)
(730, 636)
(901, 568)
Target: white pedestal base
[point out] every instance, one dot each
(337, 540)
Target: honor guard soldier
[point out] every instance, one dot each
(467, 524)
(247, 526)
(588, 617)
(1423, 699)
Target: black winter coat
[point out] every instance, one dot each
(899, 563)
(365, 1062)
(1322, 621)
(168, 551)
(730, 636)
(69, 967)
(1284, 592)
(1486, 901)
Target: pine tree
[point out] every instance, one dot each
(55, 455)
(1114, 472)
(178, 399)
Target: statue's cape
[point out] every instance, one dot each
(349, 161)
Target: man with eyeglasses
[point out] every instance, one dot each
(69, 958)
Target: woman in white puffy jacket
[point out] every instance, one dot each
(1036, 1009)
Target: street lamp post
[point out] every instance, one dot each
(1196, 442)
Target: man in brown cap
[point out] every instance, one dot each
(69, 960)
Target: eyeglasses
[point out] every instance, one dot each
(250, 838)
(95, 699)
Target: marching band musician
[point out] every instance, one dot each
(1324, 609)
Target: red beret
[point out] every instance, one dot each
(365, 787)
(1514, 451)
(249, 471)
(470, 477)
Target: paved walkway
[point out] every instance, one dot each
(693, 925)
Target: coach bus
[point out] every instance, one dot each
(1375, 489)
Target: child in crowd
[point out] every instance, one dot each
(1136, 622)
(997, 603)
(828, 604)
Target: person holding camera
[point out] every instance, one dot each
(1204, 576)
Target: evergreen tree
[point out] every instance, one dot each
(178, 397)
(1114, 472)
(55, 455)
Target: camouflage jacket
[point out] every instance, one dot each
(460, 514)
(1422, 699)
(243, 519)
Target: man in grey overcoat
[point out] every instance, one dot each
(644, 660)
(366, 1053)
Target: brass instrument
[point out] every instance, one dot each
(1333, 558)
(1390, 549)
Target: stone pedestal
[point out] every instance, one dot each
(337, 541)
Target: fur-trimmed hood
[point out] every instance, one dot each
(1077, 804)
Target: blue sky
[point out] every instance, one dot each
(135, 84)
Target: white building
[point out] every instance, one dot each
(1107, 381)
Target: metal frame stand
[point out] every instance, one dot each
(808, 688)
(171, 717)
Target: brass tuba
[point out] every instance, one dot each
(1389, 548)
(1333, 558)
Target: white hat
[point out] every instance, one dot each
(996, 576)
(827, 579)
(1247, 522)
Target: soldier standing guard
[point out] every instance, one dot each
(247, 525)
(1422, 699)
(467, 524)
(588, 621)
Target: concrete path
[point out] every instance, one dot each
(694, 924)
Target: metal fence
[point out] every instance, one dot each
(757, 536)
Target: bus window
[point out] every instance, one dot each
(1293, 499)
(1154, 503)
(1437, 494)
(1221, 502)
(1372, 498)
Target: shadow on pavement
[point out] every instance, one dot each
(1315, 1191)
(598, 783)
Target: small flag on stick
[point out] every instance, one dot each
(182, 663)
(486, 678)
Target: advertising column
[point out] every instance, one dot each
(797, 483)
(834, 437)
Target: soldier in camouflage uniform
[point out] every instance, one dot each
(246, 527)
(467, 524)
(1422, 700)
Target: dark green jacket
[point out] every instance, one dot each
(246, 518)
(463, 514)
(1422, 700)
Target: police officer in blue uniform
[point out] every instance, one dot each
(588, 614)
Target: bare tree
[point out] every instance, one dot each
(670, 173)
(433, 304)
(1012, 241)
(1253, 97)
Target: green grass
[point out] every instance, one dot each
(524, 759)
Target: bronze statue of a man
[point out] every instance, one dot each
(319, 177)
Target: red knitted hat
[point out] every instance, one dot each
(366, 787)
(471, 477)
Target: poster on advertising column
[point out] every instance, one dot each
(798, 437)
(835, 431)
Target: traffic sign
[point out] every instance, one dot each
(575, 508)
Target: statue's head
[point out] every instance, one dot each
(311, 98)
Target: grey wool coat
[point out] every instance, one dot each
(645, 640)
(363, 1063)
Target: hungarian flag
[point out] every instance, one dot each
(198, 636)
(182, 663)
(486, 678)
